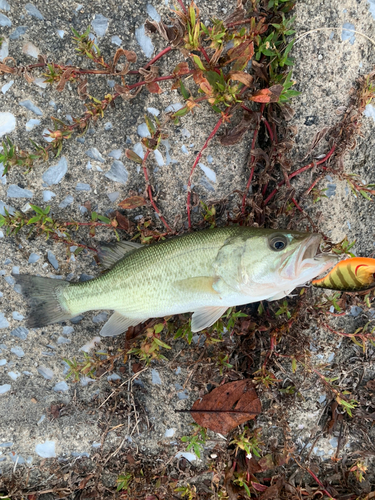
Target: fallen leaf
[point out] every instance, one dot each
(124, 223)
(227, 406)
(154, 88)
(268, 95)
(236, 134)
(371, 385)
(241, 76)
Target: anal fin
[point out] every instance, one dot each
(118, 324)
(206, 316)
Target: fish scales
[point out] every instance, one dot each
(203, 272)
(141, 283)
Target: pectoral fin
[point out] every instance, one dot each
(199, 284)
(205, 317)
(118, 324)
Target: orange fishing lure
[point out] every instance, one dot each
(350, 275)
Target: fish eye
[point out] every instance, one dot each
(278, 243)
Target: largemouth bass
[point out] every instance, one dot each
(203, 272)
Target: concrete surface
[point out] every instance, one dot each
(32, 378)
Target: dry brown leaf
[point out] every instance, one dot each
(241, 76)
(236, 134)
(268, 95)
(132, 202)
(227, 406)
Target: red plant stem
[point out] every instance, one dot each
(204, 54)
(299, 171)
(297, 206)
(246, 108)
(199, 155)
(158, 56)
(73, 243)
(160, 79)
(270, 133)
(320, 484)
(252, 162)
(182, 6)
(92, 224)
(149, 191)
(237, 23)
(308, 191)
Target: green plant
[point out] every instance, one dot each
(149, 348)
(222, 362)
(123, 481)
(189, 491)
(248, 441)
(197, 440)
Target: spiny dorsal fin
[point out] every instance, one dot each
(110, 253)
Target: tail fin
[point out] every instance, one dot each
(45, 296)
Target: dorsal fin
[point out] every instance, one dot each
(110, 253)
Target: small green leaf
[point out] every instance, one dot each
(159, 327)
(162, 344)
(36, 209)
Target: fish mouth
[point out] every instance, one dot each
(307, 262)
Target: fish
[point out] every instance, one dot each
(203, 272)
(352, 275)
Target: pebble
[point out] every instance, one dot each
(159, 158)
(210, 174)
(95, 155)
(4, 5)
(113, 377)
(52, 259)
(48, 195)
(61, 386)
(4, 50)
(83, 187)
(68, 200)
(45, 372)
(17, 316)
(15, 191)
(33, 11)
(153, 13)
(116, 40)
(14, 375)
(5, 21)
(142, 130)
(108, 126)
(31, 50)
(174, 107)
(113, 196)
(118, 172)
(144, 41)
(55, 173)
(33, 122)
(31, 107)
(5, 388)
(20, 332)
(63, 340)
(6, 87)
(60, 33)
(153, 111)
(67, 330)
(99, 318)
(7, 123)
(19, 31)
(99, 24)
(34, 257)
(155, 377)
(3, 321)
(46, 449)
(115, 153)
(10, 280)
